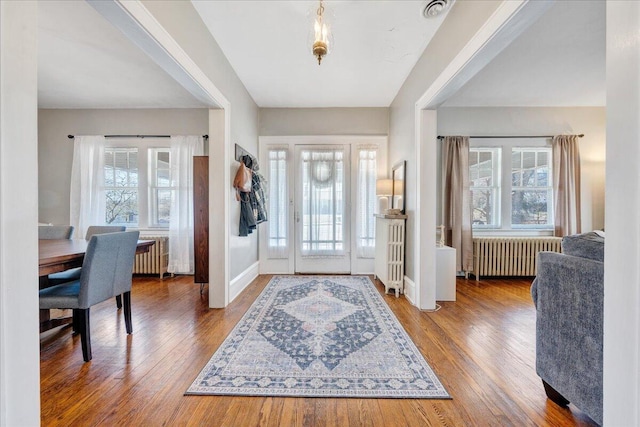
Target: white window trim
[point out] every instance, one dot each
(277, 252)
(153, 187)
(365, 251)
(287, 266)
(145, 147)
(550, 207)
(497, 179)
(508, 144)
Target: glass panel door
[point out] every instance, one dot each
(322, 209)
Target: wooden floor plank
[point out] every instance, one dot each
(482, 347)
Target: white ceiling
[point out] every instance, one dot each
(268, 43)
(559, 61)
(85, 62)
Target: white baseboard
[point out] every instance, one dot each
(410, 290)
(242, 280)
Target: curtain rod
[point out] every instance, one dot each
(136, 136)
(511, 136)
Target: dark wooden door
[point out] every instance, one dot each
(201, 218)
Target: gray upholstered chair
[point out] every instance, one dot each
(106, 272)
(103, 229)
(568, 293)
(74, 273)
(50, 232)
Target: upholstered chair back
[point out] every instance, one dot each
(50, 232)
(103, 229)
(107, 267)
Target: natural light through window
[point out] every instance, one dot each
(160, 188)
(366, 202)
(278, 190)
(531, 190)
(511, 187)
(121, 186)
(484, 177)
(323, 202)
(138, 186)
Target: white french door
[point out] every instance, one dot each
(322, 209)
(320, 203)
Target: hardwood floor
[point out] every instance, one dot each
(482, 347)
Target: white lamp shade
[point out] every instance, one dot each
(384, 187)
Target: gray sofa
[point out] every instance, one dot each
(568, 293)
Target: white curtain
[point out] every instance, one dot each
(323, 204)
(87, 198)
(566, 184)
(183, 148)
(277, 239)
(366, 202)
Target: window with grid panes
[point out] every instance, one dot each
(524, 198)
(531, 189)
(160, 188)
(138, 185)
(484, 178)
(121, 186)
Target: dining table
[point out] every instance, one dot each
(57, 255)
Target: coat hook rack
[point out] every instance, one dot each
(242, 152)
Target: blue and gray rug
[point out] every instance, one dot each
(319, 336)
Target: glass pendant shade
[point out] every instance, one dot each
(322, 38)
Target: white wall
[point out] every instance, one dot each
(591, 121)
(55, 150)
(462, 22)
(19, 342)
(622, 251)
(323, 121)
(183, 23)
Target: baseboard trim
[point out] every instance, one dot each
(242, 280)
(410, 290)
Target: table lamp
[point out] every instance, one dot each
(384, 190)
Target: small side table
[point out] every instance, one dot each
(445, 273)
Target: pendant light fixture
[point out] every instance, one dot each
(321, 32)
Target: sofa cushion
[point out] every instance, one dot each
(587, 245)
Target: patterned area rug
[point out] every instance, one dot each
(319, 336)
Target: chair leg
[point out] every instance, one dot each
(76, 321)
(127, 311)
(554, 396)
(119, 301)
(85, 333)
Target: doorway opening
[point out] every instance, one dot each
(321, 203)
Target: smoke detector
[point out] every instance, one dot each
(435, 8)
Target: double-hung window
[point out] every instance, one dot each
(511, 187)
(121, 186)
(160, 187)
(484, 178)
(137, 179)
(531, 191)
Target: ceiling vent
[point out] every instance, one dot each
(435, 8)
